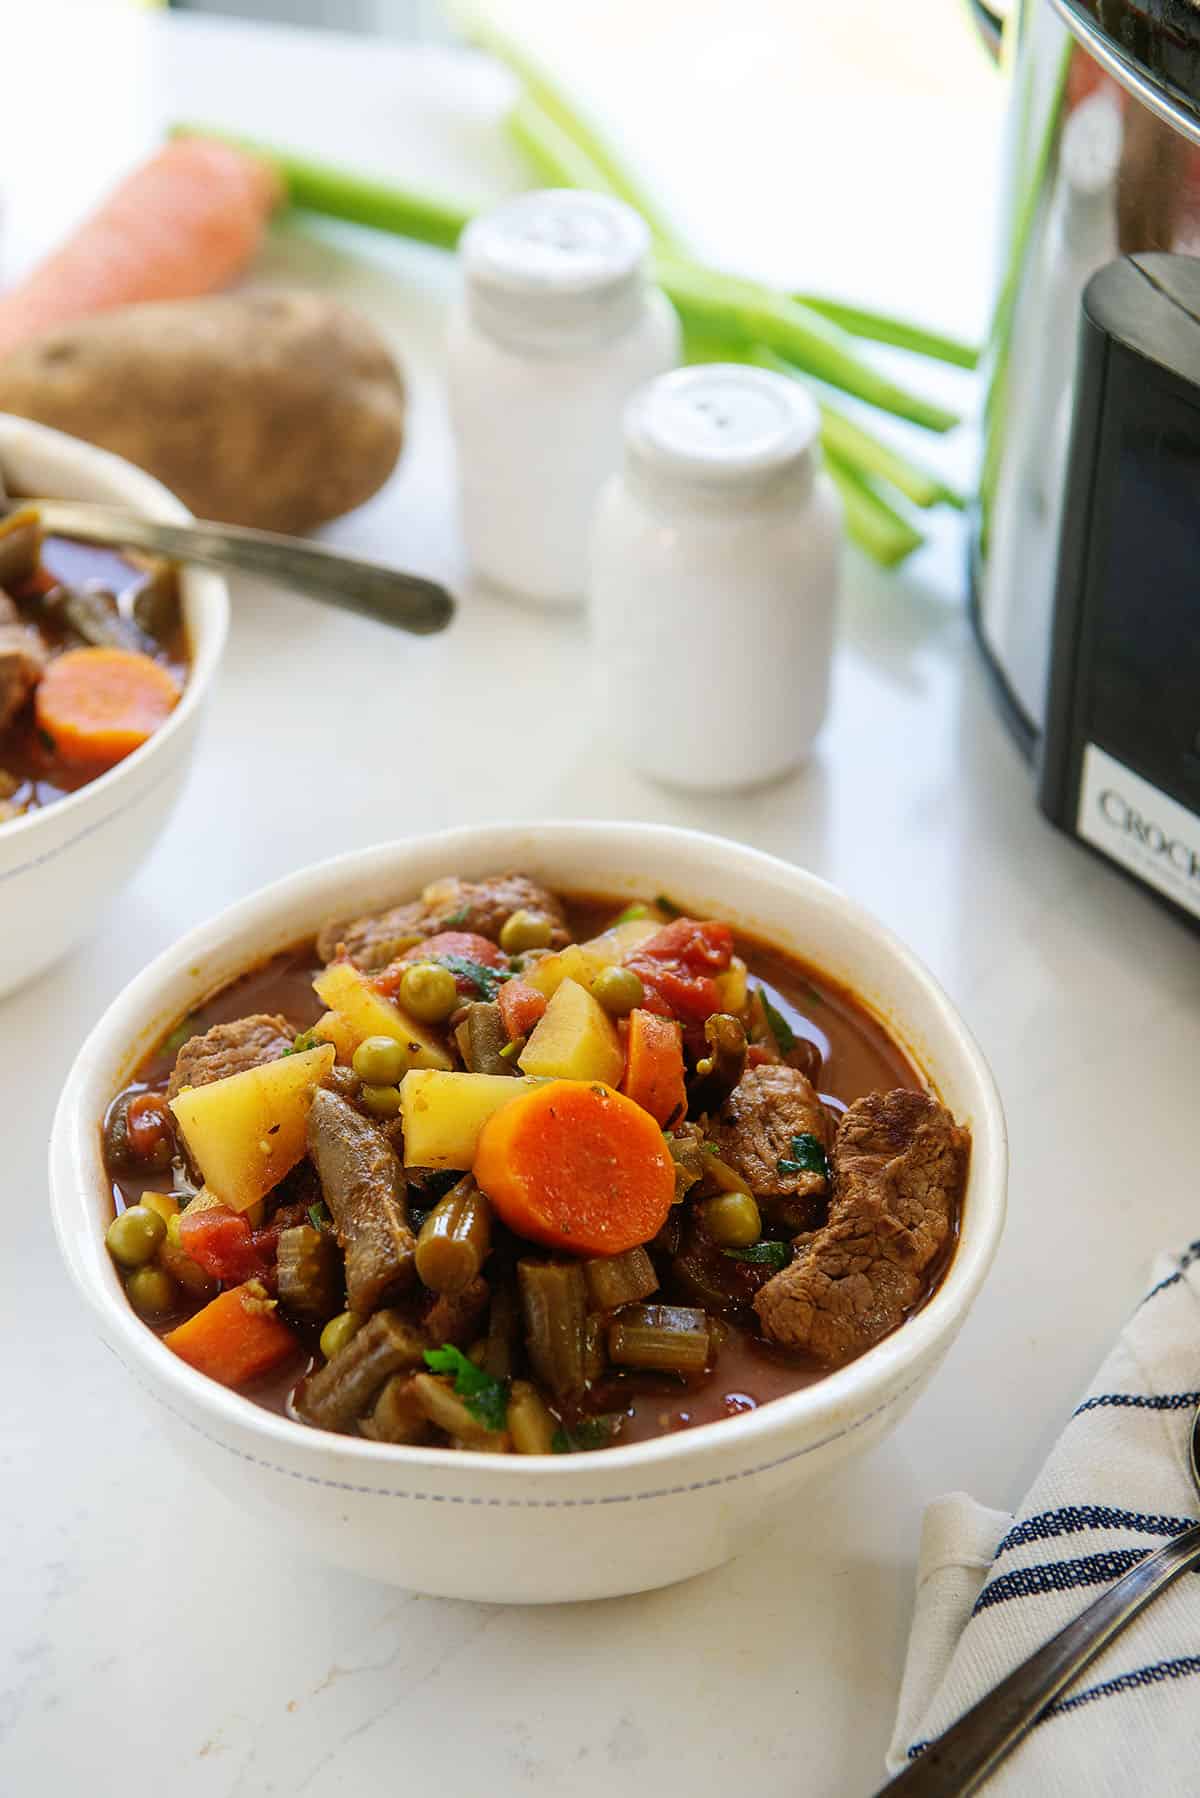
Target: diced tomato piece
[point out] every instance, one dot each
(463, 944)
(223, 1244)
(521, 1006)
(758, 1057)
(677, 967)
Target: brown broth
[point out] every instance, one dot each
(858, 1057)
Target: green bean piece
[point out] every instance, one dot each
(442, 1407)
(484, 1040)
(428, 992)
(133, 1239)
(311, 1274)
(618, 990)
(381, 1061)
(554, 1306)
(338, 1394)
(338, 1331)
(531, 1423)
(732, 1219)
(614, 1280)
(525, 930)
(397, 1416)
(151, 1291)
(660, 1339)
(594, 1354)
(504, 1327)
(455, 1239)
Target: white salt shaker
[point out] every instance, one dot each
(557, 327)
(714, 576)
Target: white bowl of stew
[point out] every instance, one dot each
(71, 836)
(697, 1464)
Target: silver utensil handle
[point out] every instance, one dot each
(408, 600)
(962, 1758)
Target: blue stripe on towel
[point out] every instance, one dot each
(1153, 1401)
(1059, 1576)
(1190, 1254)
(1154, 1675)
(1070, 1520)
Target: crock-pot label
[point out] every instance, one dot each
(1141, 827)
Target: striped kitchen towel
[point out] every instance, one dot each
(991, 1588)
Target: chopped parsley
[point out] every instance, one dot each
(318, 1215)
(633, 914)
(485, 1397)
(305, 1041)
(456, 919)
(777, 1024)
(774, 1255)
(807, 1157)
(668, 907)
(588, 1433)
(486, 981)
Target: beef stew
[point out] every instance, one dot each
(505, 1170)
(93, 659)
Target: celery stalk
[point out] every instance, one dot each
(569, 120)
(878, 327)
(342, 194)
(870, 521)
(852, 444)
(554, 154)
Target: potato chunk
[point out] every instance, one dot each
(575, 1040)
(247, 1131)
(582, 962)
(442, 1114)
(364, 1012)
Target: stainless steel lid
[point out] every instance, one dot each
(1152, 47)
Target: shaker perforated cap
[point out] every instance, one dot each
(721, 424)
(556, 264)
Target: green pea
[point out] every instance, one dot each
(618, 990)
(381, 1061)
(133, 1238)
(428, 992)
(732, 1220)
(525, 930)
(151, 1291)
(338, 1331)
(381, 1101)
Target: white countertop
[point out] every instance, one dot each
(150, 1640)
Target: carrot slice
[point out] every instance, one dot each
(578, 1167)
(235, 1337)
(654, 1066)
(185, 222)
(99, 704)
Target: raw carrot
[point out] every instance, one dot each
(97, 705)
(185, 222)
(235, 1337)
(521, 1007)
(578, 1167)
(654, 1067)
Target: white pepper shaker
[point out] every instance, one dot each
(557, 327)
(714, 576)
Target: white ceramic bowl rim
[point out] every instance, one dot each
(865, 1386)
(146, 495)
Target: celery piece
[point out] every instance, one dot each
(544, 93)
(555, 156)
(870, 521)
(878, 327)
(869, 455)
(342, 194)
(722, 305)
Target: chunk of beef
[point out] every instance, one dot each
(230, 1049)
(22, 662)
(480, 906)
(365, 1192)
(899, 1170)
(754, 1129)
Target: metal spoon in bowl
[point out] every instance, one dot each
(972, 1749)
(407, 600)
